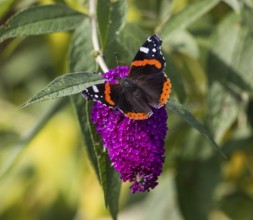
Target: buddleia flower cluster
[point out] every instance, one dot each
(135, 147)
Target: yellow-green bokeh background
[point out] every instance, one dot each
(52, 178)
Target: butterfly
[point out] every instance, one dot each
(145, 88)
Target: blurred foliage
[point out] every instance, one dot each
(46, 173)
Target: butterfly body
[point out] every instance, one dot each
(146, 87)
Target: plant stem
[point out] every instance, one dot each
(94, 36)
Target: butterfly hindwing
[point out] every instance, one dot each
(161, 88)
(134, 104)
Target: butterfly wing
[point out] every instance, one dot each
(149, 58)
(147, 71)
(156, 87)
(100, 93)
(133, 105)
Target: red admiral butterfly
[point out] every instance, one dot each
(145, 87)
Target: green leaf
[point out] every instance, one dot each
(229, 68)
(235, 4)
(242, 144)
(65, 85)
(187, 16)
(229, 58)
(164, 205)
(196, 181)
(82, 57)
(111, 17)
(185, 114)
(28, 137)
(131, 38)
(82, 108)
(176, 81)
(109, 178)
(222, 110)
(237, 205)
(247, 16)
(183, 42)
(125, 46)
(41, 20)
(193, 146)
(111, 183)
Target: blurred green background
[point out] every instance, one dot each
(210, 65)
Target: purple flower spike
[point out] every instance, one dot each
(136, 147)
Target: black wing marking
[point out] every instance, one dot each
(99, 93)
(112, 95)
(152, 87)
(149, 59)
(129, 101)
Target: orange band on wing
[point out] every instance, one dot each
(166, 92)
(108, 94)
(137, 116)
(145, 62)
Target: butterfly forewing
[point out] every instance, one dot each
(149, 59)
(100, 93)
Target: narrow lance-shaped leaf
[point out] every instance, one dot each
(186, 17)
(111, 184)
(65, 85)
(173, 73)
(111, 16)
(81, 109)
(229, 71)
(186, 115)
(81, 55)
(81, 58)
(41, 20)
(109, 178)
(229, 57)
(28, 137)
(195, 182)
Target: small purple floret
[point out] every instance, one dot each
(136, 147)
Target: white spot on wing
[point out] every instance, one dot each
(95, 89)
(154, 50)
(144, 49)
